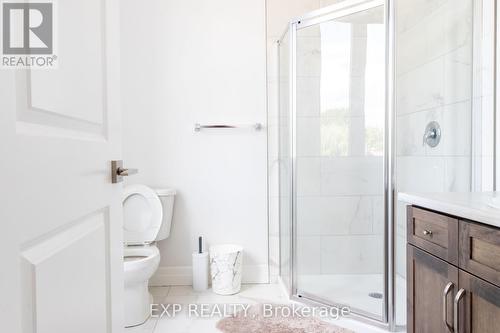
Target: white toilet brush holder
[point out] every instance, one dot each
(200, 268)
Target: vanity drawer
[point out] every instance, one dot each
(480, 251)
(434, 233)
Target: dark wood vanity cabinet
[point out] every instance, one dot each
(479, 309)
(453, 274)
(428, 277)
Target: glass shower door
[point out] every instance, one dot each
(339, 157)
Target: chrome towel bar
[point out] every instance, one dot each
(199, 127)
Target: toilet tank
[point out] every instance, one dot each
(167, 198)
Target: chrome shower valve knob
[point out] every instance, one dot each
(432, 135)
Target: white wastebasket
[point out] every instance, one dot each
(226, 268)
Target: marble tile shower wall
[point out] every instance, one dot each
(433, 83)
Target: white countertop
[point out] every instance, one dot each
(475, 206)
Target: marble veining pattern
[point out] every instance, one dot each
(226, 273)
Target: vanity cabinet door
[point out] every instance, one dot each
(479, 307)
(432, 285)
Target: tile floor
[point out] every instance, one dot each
(250, 294)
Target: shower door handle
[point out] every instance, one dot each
(446, 291)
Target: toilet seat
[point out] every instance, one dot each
(145, 258)
(142, 215)
(139, 253)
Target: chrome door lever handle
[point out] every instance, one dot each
(118, 171)
(126, 172)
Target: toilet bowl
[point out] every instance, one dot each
(140, 263)
(147, 216)
(139, 266)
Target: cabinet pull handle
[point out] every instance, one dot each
(427, 232)
(446, 291)
(456, 302)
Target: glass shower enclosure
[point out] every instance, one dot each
(333, 153)
(360, 82)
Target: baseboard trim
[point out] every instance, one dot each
(182, 275)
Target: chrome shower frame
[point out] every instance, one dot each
(387, 320)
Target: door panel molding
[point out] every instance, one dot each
(46, 287)
(71, 100)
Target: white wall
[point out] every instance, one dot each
(189, 61)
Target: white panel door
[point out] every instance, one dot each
(61, 234)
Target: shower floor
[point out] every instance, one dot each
(353, 290)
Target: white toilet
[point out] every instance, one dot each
(147, 217)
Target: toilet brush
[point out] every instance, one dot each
(200, 268)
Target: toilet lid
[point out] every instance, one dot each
(142, 214)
